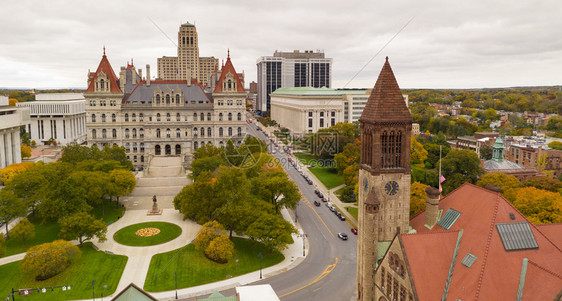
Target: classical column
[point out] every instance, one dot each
(8, 147)
(2, 152)
(16, 147)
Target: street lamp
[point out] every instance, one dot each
(176, 274)
(261, 257)
(104, 288)
(93, 292)
(303, 251)
(296, 213)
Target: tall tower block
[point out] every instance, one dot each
(384, 175)
(188, 52)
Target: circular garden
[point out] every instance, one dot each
(147, 234)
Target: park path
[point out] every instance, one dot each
(164, 179)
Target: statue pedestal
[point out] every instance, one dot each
(155, 210)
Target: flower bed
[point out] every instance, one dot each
(147, 232)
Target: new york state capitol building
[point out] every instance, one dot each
(163, 117)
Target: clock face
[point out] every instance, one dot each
(365, 184)
(391, 188)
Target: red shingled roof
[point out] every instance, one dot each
(104, 66)
(386, 103)
(229, 68)
(495, 273)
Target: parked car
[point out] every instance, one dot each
(354, 231)
(320, 195)
(324, 200)
(332, 208)
(342, 218)
(309, 181)
(328, 204)
(343, 236)
(316, 191)
(317, 203)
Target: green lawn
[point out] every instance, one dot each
(127, 236)
(339, 192)
(193, 268)
(111, 213)
(44, 232)
(328, 176)
(305, 158)
(352, 211)
(94, 265)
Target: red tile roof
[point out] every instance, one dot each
(553, 231)
(229, 68)
(495, 273)
(104, 66)
(386, 103)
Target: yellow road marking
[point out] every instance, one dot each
(327, 271)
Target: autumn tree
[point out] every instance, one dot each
(7, 173)
(505, 182)
(539, 206)
(272, 230)
(199, 201)
(418, 154)
(25, 151)
(122, 182)
(12, 102)
(349, 156)
(276, 188)
(23, 231)
(417, 198)
(207, 234)
(220, 249)
(545, 183)
(47, 260)
(11, 207)
(83, 227)
(555, 144)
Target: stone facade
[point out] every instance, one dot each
(11, 119)
(161, 117)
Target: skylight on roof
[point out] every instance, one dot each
(517, 236)
(468, 260)
(449, 218)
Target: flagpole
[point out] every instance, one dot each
(440, 189)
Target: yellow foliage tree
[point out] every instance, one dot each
(506, 182)
(418, 154)
(25, 151)
(220, 249)
(47, 260)
(417, 198)
(23, 231)
(539, 206)
(7, 173)
(13, 102)
(207, 234)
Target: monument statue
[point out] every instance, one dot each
(155, 210)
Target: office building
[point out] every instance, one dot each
(11, 120)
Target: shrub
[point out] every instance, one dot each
(47, 260)
(2, 241)
(220, 249)
(207, 234)
(23, 231)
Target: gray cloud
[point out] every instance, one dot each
(449, 44)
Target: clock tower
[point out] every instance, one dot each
(384, 175)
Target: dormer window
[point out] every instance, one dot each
(229, 84)
(102, 84)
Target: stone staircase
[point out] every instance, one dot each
(164, 178)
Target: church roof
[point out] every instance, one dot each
(104, 67)
(386, 103)
(496, 272)
(226, 69)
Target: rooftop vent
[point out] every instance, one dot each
(512, 216)
(468, 260)
(449, 218)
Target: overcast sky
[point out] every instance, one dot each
(448, 44)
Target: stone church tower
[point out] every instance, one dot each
(384, 175)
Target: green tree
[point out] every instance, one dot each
(83, 227)
(349, 156)
(459, 167)
(555, 145)
(220, 249)
(505, 182)
(116, 153)
(486, 152)
(233, 188)
(47, 260)
(11, 207)
(23, 231)
(417, 198)
(209, 164)
(95, 184)
(272, 230)
(418, 154)
(207, 234)
(206, 150)
(122, 182)
(276, 188)
(199, 201)
(2, 247)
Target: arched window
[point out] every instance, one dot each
(208, 116)
(220, 132)
(141, 133)
(142, 149)
(134, 147)
(158, 117)
(94, 136)
(113, 118)
(167, 99)
(126, 133)
(209, 132)
(178, 133)
(229, 84)
(177, 98)
(142, 158)
(134, 157)
(102, 117)
(157, 99)
(103, 133)
(157, 133)
(178, 117)
(202, 132)
(221, 144)
(93, 117)
(239, 116)
(168, 118)
(141, 117)
(229, 116)
(239, 131)
(114, 133)
(168, 133)
(102, 84)
(202, 116)
(195, 145)
(229, 131)
(127, 147)
(220, 116)
(134, 116)
(134, 133)
(194, 116)
(126, 117)
(194, 132)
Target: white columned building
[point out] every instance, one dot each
(57, 116)
(11, 119)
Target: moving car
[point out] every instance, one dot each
(343, 236)
(354, 231)
(317, 203)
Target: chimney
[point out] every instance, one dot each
(147, 75)
(140, 75)
(493, 188)
(122, 78)
(431, 206)
(133, 76)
